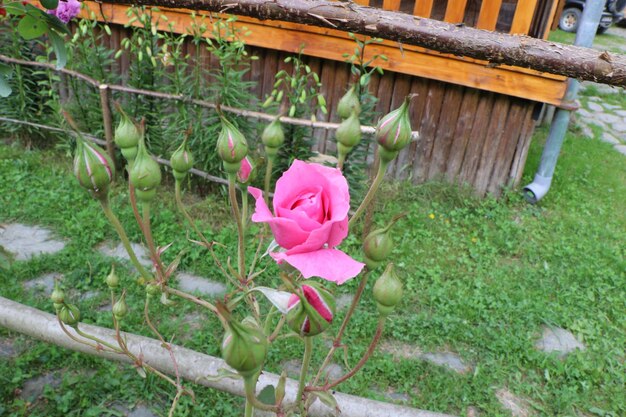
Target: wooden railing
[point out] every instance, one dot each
(532, 17)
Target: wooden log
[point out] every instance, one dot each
(462, 133)
(521, 51)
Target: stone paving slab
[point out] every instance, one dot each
(446, 359)
(116, 250)
(517, 406)
(7, 348)
(26, 242)
(191, 283)
(43, 284)
(556, 339)
(34, 387)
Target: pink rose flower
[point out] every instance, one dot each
(243, 175)
(311, 204)
(66, 10)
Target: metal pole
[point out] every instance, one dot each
(543, 178)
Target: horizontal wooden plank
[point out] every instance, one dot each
(331, 44)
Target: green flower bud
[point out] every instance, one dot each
(231, 147)
(58, 307)
(181, 161)
(127, 134)
(93, 168)
(393, 131)
(310, 310)
(120, 309)
(112, 279)
(387, 291)
(152, 289)
(273, 138)
(129, 153)
(377, 246)
(349, 131)
(245, 346)
(349, 103)
(145, 174)
(69, 314)
(57, 296)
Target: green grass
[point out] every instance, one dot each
(605, 41)
(481, 278)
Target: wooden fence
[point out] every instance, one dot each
(475, 120)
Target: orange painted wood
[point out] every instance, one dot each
(362, 2)
(523, 17)
(556, 4)
(391, 5)
(332, 44)
(488, 17)
(423, 8)
(455, 12)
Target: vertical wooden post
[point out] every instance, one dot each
(107, 119)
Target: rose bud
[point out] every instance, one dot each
(120, 309)
(112, 279)
(145, 174)
(393, 131)
(247, 171)
(231, 147)
(310, 311)
(387, 291)
(348, 135)
(181, 161)
(152, 290)
(127, 134)
(273, 137)
(93, 168)
(378, 245)
(349, 103)
(244, 347)
(69, 314)
(57, 296)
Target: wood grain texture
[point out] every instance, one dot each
(444, 136)
(488, 17)
(462, 134)
(455, 11)
(523, 17)
(423, 8)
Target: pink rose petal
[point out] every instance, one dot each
(330, 264)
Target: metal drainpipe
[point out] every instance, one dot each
(535, 191)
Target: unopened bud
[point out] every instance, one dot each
(127, 135)
(153, 289)
(247, 171)
(387, 291)
(349, 131)
(244, 347)
(112, 279)
(181, 161)
(120, 309)
(93, 168)
(393, 131)
(377, 246)
(129, 153)
(231, 147)
(145, 175)
(349, 103)
(273, 137)
(57, 296)
(69, 314)
(310, 311)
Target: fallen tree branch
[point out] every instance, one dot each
(496, 48)
(193, 366)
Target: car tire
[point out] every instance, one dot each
(570, 19)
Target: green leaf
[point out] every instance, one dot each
(327, 398)
(56, 24)
(49, 4)
(58, 44)
(268, 395)
(31, 27)
(280, 299)
(15, 8)
(5, 89)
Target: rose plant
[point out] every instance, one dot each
(309, 220)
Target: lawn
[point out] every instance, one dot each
(482, 277)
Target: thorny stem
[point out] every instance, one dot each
(241, 264)
(364, 359)
(191, 298)
(306, 361)
(244, 208)
(164, 343)
(97, 340)
(344, 324)
(125, 241)
(268, 178)
(179, 394)
(147, 231)
(382, 167)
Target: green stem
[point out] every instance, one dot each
(237, 215)
(249, 409)
(124, 238)
(244, 208)
(147, 231)
(268, 178)
(306, 361)
(249, 383)
(382, 168)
